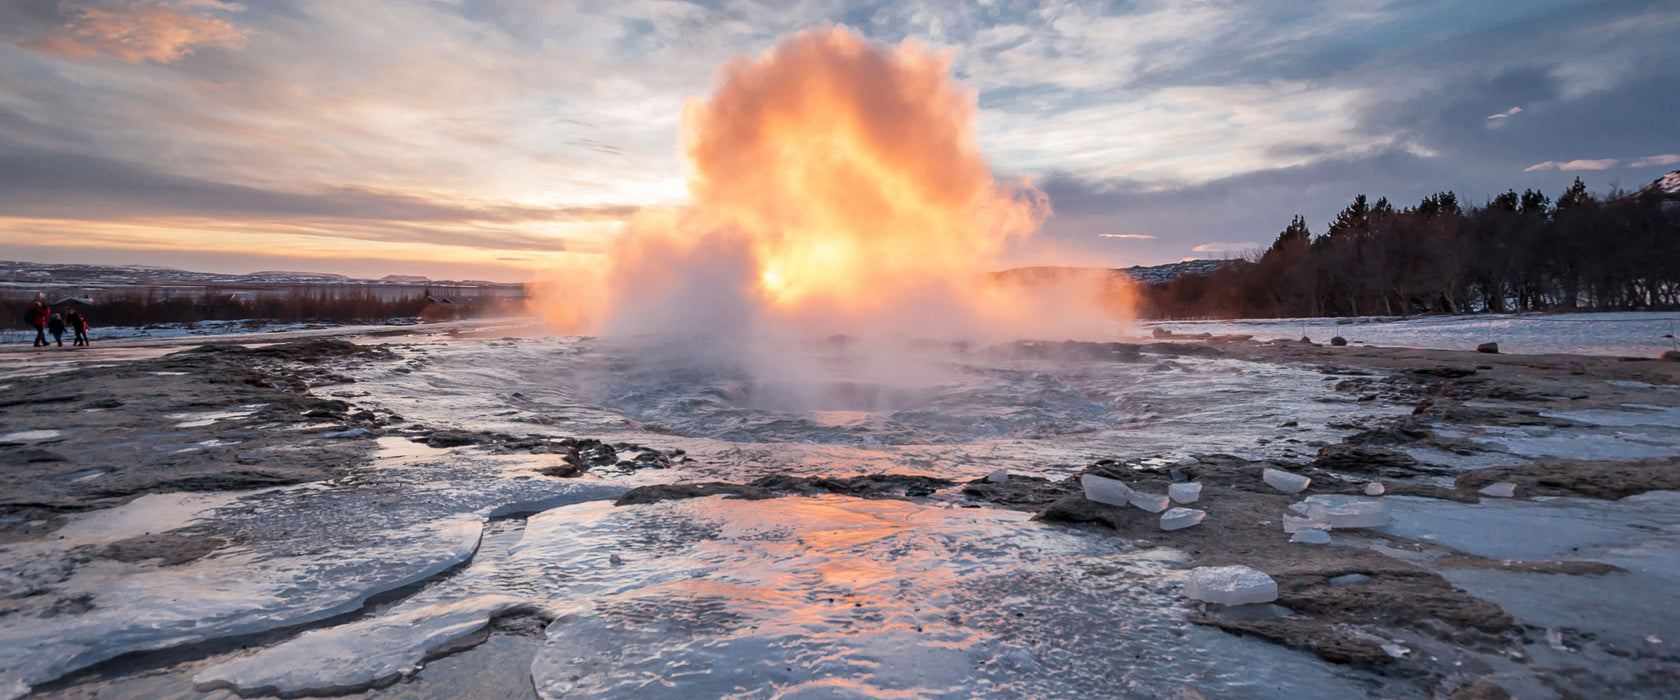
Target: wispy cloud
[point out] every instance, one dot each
(1497, 120)
(1664, 159)
(1225, 247)
(140, 30)
(1131, 236)
(1605, 163)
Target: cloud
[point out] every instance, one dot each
(1225, 247)
(1133, 236)
(1605, 163)
(1495, 121)
(1664, 159)
(139, 30)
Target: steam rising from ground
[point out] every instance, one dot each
(836, 188)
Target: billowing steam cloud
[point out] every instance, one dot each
(837, 187)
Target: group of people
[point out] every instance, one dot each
(45, 321)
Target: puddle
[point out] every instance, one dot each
(26, 436)
(203, 418)
(149, 514)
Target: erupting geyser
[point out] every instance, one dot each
(837, 187)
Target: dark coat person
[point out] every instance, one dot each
(55, 325)
(78, 325)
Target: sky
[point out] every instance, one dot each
(504, 139)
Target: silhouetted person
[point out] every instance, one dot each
(55, 325)
(38, 319)
(78, 325)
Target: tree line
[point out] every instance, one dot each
(1516, 253)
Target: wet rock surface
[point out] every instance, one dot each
(895, 486)
(233, 418)
(1606, 480)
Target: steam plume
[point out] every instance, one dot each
(836, 187)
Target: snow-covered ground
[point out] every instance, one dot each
(1634, 333)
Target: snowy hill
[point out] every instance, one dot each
(1154, 274)
(1159, 274)
(1667, 187)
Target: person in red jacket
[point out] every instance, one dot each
(38, 319)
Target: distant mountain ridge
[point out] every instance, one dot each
(19, 272)
(1666, 187)
(1153, 274)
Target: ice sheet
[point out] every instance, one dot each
(238, 593)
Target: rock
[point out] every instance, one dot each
(1180, 518)
(998, 477)
(1153, 503)
(1185, 493)
(1230, 585)
(1161, 333)
(1105, 490)
(1346, 580)
(1365, 459)
(1374, 488)
(1671, 355)
(1503, 489)
(1490, 348)
(1285, 481)
(1338, 341)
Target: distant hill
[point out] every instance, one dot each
(1154, 274)
(1666, 187)
(114, 275)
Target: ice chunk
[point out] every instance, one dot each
(1230, 585)
(1180, 518)
(1311, 535)
(1503, 489)
(998, 477)
(360, 654)
(1371, 513)
(1152, 502)
(1285, 481)
(1185, 493)
(1374, 488)
(353, 432)
(1187, 461)
(1105, 490)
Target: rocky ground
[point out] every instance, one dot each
(227, 418)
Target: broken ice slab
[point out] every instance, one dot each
(1503, 489)
(1187, 461)
(1374, 488)
(1293, 524)
(1311, 535)
(360, 654)
(1105, 490)
(998, 477)
(1151, 502)
(1230, 585)
(1354, 514)
(1180, 518)
(1185, 493)
(1285, 481)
